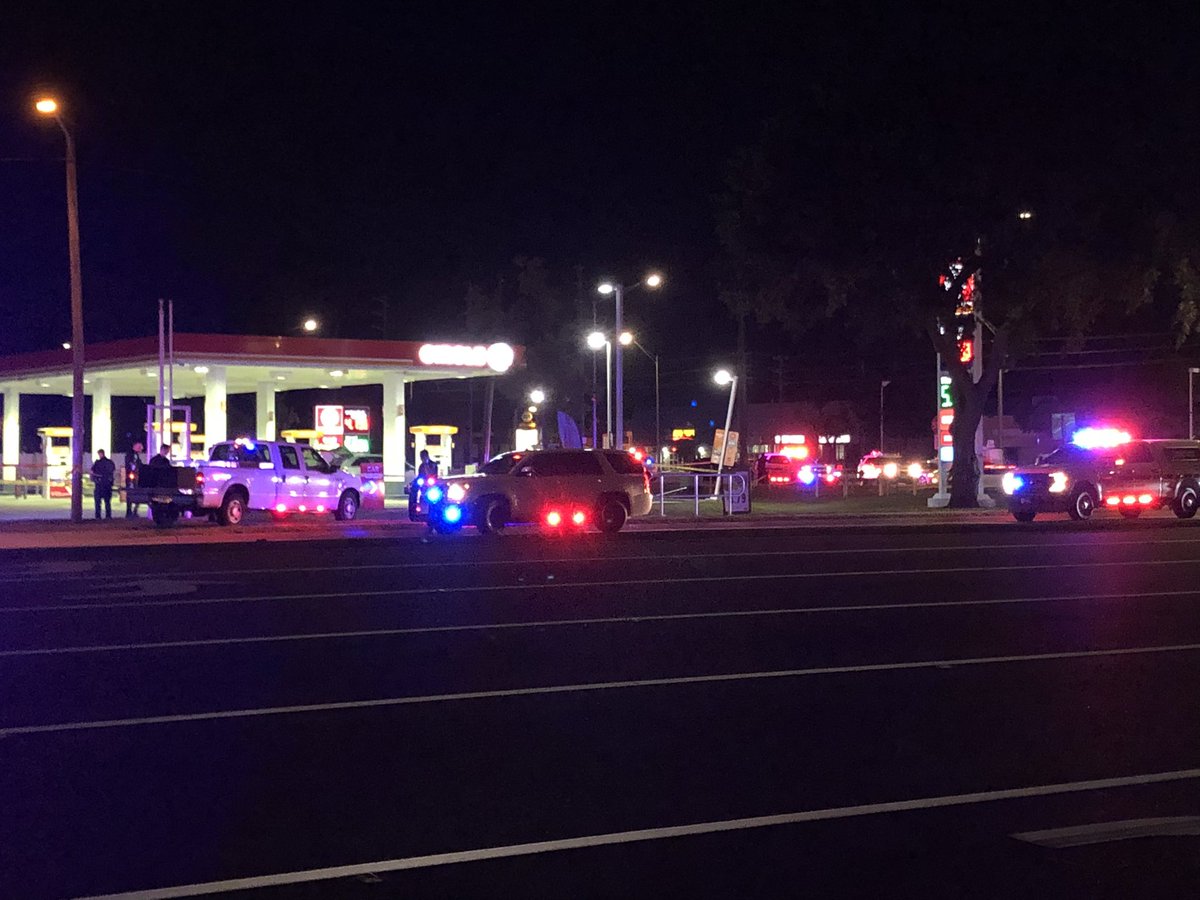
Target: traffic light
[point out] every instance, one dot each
(966, 350)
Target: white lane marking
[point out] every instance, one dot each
(654, 834)
(583, 687)
(638, 582)
(648, 557)
(556, 623)
(1104, 832)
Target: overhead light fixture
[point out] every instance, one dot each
(201, 370)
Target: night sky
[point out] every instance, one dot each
(261, 161)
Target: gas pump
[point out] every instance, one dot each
(438, 440)
(56, 447)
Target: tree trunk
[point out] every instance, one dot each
(966, 470)
(970, 398)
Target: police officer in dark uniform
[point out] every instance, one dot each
(133, 462)
(103, 475)
(426, 470)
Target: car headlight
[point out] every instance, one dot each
(890, 470)
(456, 492)
(1058, 482)
(915, 470)
(1012, 482)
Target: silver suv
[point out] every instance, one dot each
(560, 488)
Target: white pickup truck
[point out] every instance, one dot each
(246, 474)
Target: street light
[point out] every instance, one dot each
(595, 341)
(49, 106)
(725, 377)
(657, 406)
(652, 280)
(537, 396)
(310, 325)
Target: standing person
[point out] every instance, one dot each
(133, 462)
(104, 472)
(162, 459)
(426, 470)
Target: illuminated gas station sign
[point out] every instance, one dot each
(328, 420)
(356, 420)
(347, 426)
(497, 357)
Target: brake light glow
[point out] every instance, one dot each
(1129, 500)
(1145, 499)
(303, 508)
(320, 508)
(1113, 501)
(280, 507)
(554, 518)
(579, 517)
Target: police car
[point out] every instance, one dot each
(559, 489)
(1068, 480)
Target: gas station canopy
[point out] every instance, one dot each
(215, 365)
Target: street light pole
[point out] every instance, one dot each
(882, 384)
(723, 377)
(49, 107)
(608, 392)
(619, 386)
(1191, 405)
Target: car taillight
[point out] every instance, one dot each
(554, 518)
(1113, 501)
(1145, 499)
(579, 517)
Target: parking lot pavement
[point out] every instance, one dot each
(704, 712)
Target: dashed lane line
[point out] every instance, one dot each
(559, 623)
(637, 582)
(583, 842)
(582, 688)
(475, 562)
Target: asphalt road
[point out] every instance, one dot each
(988, 710)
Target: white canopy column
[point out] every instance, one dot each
(10, 448)
(102, 417)
(264, 408)
(216, 423)
(395, 431)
